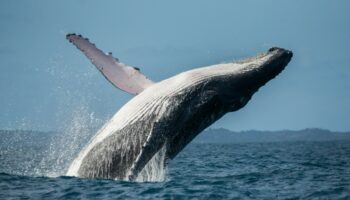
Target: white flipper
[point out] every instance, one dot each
(122, 76)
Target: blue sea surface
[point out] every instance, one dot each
(260, 170)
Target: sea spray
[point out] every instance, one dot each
(74, 121)
(155, 170)
(65, 145)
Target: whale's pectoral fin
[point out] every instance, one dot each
(124, 77)
(153, 144)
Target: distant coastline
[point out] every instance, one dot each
(222, 135)
(211, 135)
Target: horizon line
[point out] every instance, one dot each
(207, 129)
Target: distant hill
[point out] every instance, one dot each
(222, 135)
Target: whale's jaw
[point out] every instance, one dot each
(275, 64)
(278, 59)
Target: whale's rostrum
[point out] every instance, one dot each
(167, 115)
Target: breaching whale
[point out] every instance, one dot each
(166, 115)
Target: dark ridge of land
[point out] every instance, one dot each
(222, 135)
(219, 135)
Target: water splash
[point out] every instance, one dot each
(155, 170)
(76, 122)
(65, 146)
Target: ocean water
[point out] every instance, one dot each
(260, 170)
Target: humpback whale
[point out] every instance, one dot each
(167, 115)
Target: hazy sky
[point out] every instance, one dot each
(46, 83)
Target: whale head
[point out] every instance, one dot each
(239, 81)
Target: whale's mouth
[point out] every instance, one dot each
(282, 56)
(269, 66)
(278, 60)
